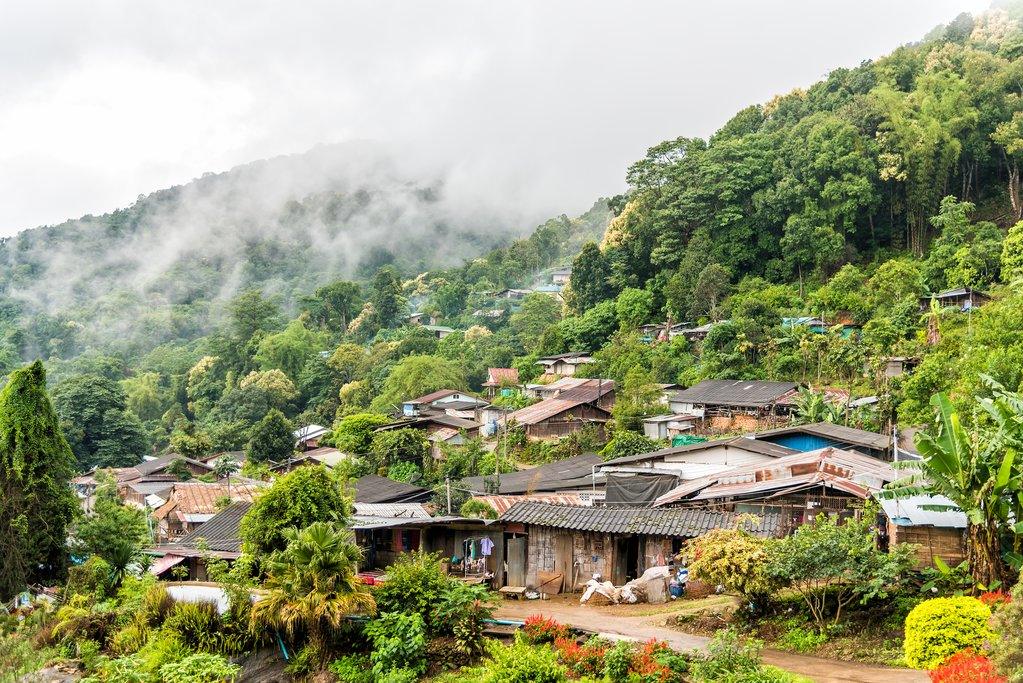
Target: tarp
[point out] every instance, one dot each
(637, 489)
(686, 440)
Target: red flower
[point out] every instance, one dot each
(967, 667)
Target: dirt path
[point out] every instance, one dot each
(645, 627)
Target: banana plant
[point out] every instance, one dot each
(977, 469)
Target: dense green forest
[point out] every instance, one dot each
(848, 200)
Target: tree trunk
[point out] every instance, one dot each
(1014, 198)
(984, 554)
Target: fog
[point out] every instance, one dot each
(524, 109)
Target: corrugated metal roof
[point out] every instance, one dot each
(200, 498)
(735, 392)
(741, 442)
(164, 461)
(376, 489)
(221, 532)
(406, 510)
(587, 392)
(555, 476)
(436, 396)
(504, 503)
(909, 511)
(678, 522)
(496, 376)
(848, 471)
(849, 435)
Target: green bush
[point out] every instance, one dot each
(523, 663)
(618, 662)
(161, 648)
(91, 578)
(939, 628)
(197, 624)
(1007, 648)
(462, 613)
(121, 670)
(352, 669)
(803, 640)
(415, 584)
(131, 638)
(199, 668)
(399, 642)
(398, 676)
(729, 658)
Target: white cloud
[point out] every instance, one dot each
(537, 104)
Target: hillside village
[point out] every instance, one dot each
(768, 402)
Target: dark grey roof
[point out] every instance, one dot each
(221, 531)
(751, 445)
(564, 474)
(735, 392)
(846, 435)
(679, 522)
(376, 489)
(164, 461)
(560, 356)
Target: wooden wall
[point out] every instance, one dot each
(948, 544)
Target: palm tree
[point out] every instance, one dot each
(224, 467)
(313, 585)
(976, 469)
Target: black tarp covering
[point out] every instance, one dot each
(637, 489)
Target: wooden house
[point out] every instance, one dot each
(727, 405)
(963, 299)
(219, 537)
(589, 403)
(564, 364)
(937, 534)
(499, 379)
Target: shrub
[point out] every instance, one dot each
(803, 640)
(582, 660)
(352, 669)
(462, 612)
(521, 662)
(728, 657)
(656, 662)
(399, 642)
(1007, 648)
(939, 628)
(398, 676)
(733, 558)
(131, 638)
(199, 668)
(478, 509)
(79, 620)
(161, 648)
(197, 624)
(539, 629)
(966, 667)
(618, 662)
(994, 599)
(91, 578)
(121, 670)
(415, 584)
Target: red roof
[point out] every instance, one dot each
(498, 376)
(589, 392)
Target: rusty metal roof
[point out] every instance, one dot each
(678, 522)
(587, 392)
(221, 532)
(847, 471)
(572, 472)
(504, 503)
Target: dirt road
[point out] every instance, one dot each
(612, 622)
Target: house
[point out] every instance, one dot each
(499, 379)
(561, 276)
(898, 365)
(553, 291)
(727, 404)
(445, 436)
(422, 319)
(375, 489)
(571, 474)
(385, 531)
(438, 331)
(693, 334)
(798, 486)
(589, 403)
(936, 533)
(564, 364)
(642, 478)
(436, 401)
(434, 422)
(963, 299)
(503, 503)
(513, 294)
(192, 503)
(151, 466)
(325, 455)
(218, 537)
(308, 437)
(660, 427)
(811, 437)
(559, 547)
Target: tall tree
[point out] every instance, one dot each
(272, 438)
(94, 416)
(36, 500)
(388, 302)
(333, 306)
(589, 278)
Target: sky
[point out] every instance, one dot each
(539, 104)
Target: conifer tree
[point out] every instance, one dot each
(36, 500)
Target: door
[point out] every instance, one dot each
(626, 561)
(563, 561)
(516, 553)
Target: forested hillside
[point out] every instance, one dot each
(163, 268)
(847, 201)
